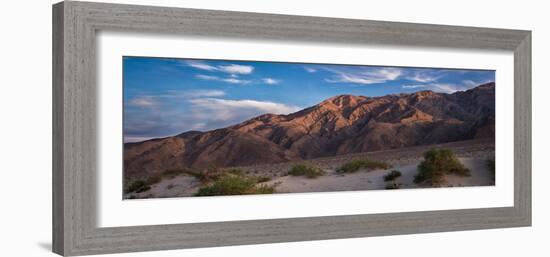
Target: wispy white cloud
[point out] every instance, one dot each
(236, 81)
(143, 102)
(453, 87)
(271, 81)
(469, 83)
(131, 139)
(423, 77)
(385, 73)
(227, 80)
(355, 79)
(443, 87)
(204, 93)
(364, 76)
(236, 69)
(163, 113)
(310, 70)
(156, 99)
(413, 86)
(200, 113)
(206, 77)
(219, 113)
(227, 107)
(446, 87)
(232, 69)
(201, 65)
(430, 81)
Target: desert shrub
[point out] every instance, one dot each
(206, 176)
(197, 174)
(153, 180)
(306, 170)
(142, 185)
(143, 189)
(212, 175)
(234, 172)
(172, 173)
(393, 185)
(351, 166)
(392, 175)
(358, 164)
(135, 186)
(264, 190)
(437, 163)
(234, 185)
(263, 179)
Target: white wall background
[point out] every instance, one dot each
(25, 128)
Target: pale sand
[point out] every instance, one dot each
(332, 181)
(172, 187)
(374, 180)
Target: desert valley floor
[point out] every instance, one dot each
(473, 154)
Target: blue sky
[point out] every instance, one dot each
(165, 96)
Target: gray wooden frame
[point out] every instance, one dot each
(75, 25)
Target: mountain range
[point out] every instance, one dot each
(339, 125)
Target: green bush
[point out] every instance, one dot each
(392, 175)
(437, 163)
(358, 164)
(234, 185)
(306, 170)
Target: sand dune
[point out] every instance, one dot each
(473, 155)
(374, 180)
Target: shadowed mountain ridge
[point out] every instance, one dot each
(339, 125)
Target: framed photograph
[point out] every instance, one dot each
(183, 128)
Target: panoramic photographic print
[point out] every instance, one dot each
(195, 127)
